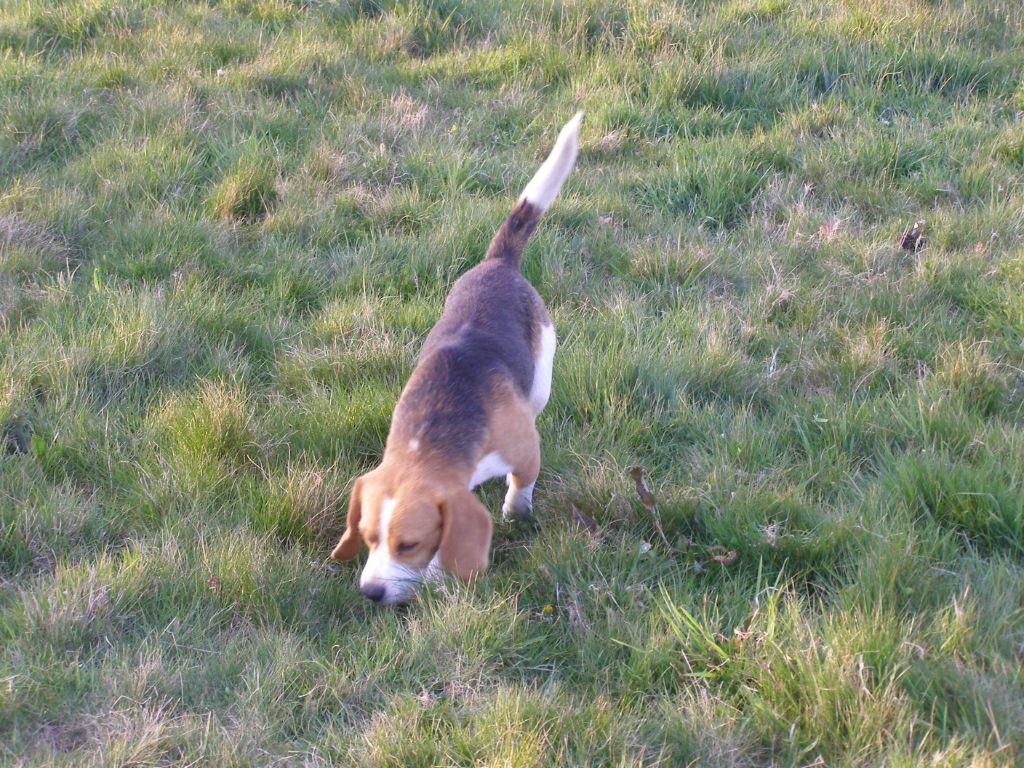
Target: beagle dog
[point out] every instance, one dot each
(466, 415)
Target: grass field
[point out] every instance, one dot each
(225, 229)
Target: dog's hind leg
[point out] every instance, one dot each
(522, 479)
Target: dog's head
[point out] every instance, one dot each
(411, 527)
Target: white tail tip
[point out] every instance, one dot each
(544, 186)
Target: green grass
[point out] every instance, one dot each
(225, 229)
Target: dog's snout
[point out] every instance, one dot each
(373, 592)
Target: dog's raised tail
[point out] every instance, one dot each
(511, 237)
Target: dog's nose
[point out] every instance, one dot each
(373, 592)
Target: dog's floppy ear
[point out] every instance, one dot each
(465, 534)
(348, 547)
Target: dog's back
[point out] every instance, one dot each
(496, 315)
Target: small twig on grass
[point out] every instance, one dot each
(707, 554)
(648, 499)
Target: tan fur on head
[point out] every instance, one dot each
(465, 535)
(465, 527)
(408, 519)
(348, 546)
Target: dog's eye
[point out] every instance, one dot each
(406, 547)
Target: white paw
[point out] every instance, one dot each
(519, 508)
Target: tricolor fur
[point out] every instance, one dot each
(466, 415)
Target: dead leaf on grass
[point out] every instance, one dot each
(643, 491)
(913, 239)
(720, 554)
(827, 232)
